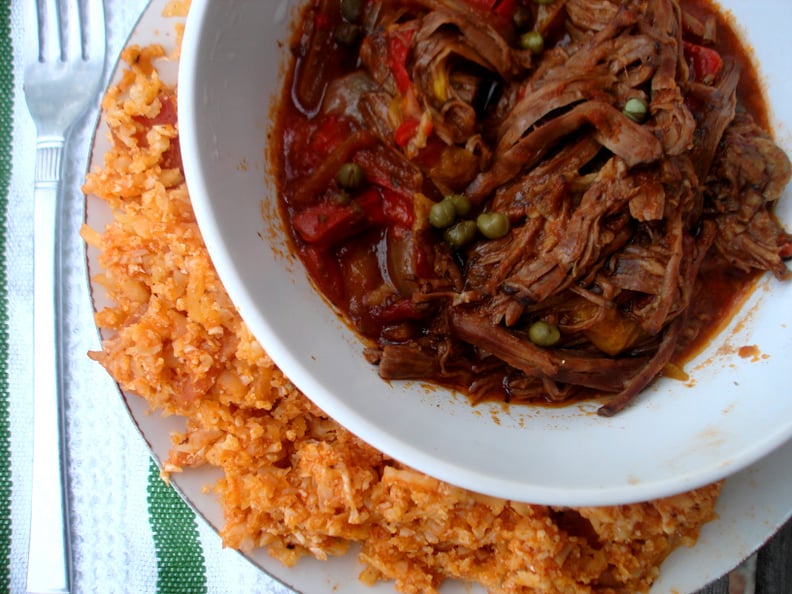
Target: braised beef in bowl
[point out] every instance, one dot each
(447, 202)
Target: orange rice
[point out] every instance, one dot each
(294, 481)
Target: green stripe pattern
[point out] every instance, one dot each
(180, 561)
(6, 127)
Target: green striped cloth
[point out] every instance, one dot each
(6, 119)
(180, 560)
(130, 531)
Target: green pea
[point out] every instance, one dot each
(347, 33)
(493, 225)
(532, 41)
(442, 214)
(460, 234)
(350, 176)
(352, 10)
(461, 203)
(543, 333)
(522, 17)
(636, 109)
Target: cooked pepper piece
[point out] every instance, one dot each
(405, 131)
(705, 63)
(398, 50)
(328, 223)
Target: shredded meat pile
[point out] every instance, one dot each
(611, 217)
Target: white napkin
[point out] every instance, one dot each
(113, 543)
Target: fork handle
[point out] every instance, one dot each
(49, 555)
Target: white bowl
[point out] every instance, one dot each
(675, 437)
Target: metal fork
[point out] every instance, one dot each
(62, 79)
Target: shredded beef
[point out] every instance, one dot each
(612, 216)
(749, 175)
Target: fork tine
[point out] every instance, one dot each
(49, 48)
(93, 18)
(71, 34)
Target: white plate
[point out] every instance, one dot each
(754, 503)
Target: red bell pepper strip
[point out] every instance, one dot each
(398, 49)
(308, 142)
(401, 310)
(398, 208)
(370, 202)
(506, 8)
(497, 13)
(328, 133)
(705, 63)
(328, 223)
(383, 206)
(405, 131)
